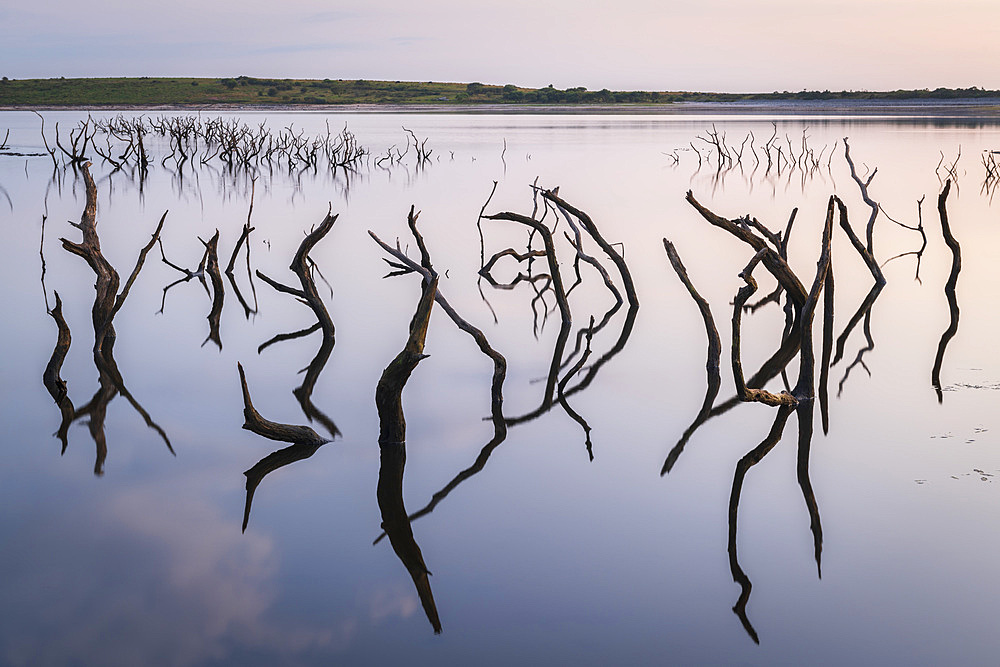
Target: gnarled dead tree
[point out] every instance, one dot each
(565, 365)
(800, 399)
(218, 289)
(392, 446)
(55, 385)
(108, 301)
(305, 442)
(303, 267)
(405, 265)
(230, 268)
(949, 290)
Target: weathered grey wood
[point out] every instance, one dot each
(949, 290)
(745, 393)
(255, 423)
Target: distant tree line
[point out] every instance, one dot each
(247, 89)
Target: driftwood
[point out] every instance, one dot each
(244, 239)
(714, 353)
(558, 360)
(827, 353)
(745, 393)
(392, 444)
(392, 456)
(302, 266)
(55, 385)
(428, 273)
(712, 364)
(108, 300)
(198, 273)
(548, 398)
(769, 370)
(577, 242)
(591, 228)
(550, 255)
(305, 441)
(865, 308)
(255, 423)
(800, 400)
(797, 329)
(218, 289)
(752, 458)
(864, 251)
(805, 387)
(949, 290)
(863, 186)
(388, 392)
(771, 259)
(920, 229)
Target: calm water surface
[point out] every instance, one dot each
(539, 554)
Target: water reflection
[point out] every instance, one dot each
(392, 445)
(577, 283)
(775, 160)
(949, 290)
(304, 269)
(107, 302)
(800, 398)
(305, 440)
(557, 388)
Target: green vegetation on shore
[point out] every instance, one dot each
(246, 90)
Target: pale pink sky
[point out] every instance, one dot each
(715, 45)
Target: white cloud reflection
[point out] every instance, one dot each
(151, 578)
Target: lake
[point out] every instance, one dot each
(605, 510)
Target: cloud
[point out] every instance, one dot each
(148, 576)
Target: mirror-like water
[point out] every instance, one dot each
(605, 510)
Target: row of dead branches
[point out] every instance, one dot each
(125, 143)
(775, 157)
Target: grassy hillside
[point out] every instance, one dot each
(249, 90)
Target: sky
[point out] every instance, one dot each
(700, 45)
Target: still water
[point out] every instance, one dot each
(554, 535)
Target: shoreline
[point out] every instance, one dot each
(964, 108)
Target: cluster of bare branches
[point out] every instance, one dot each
(992, 177)
(796, 339)
(949, 170)
(563, 379)
(124, 143)
(395, 156)
(569, 371)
